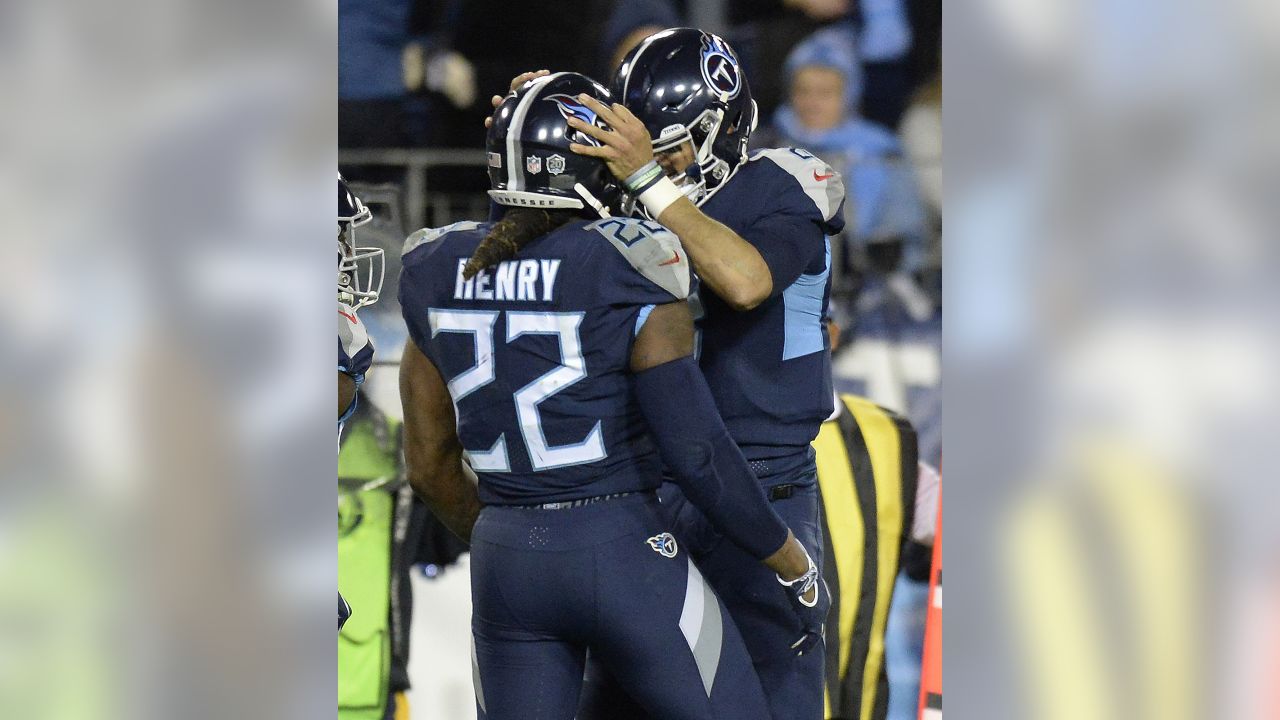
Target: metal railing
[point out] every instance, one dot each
(417, 207)
(416, 162)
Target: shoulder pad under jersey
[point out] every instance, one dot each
(429, 235)
(820, 182)
(651, 249)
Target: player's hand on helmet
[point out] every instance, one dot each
(625, 144)
(811, 600)
(516, 82)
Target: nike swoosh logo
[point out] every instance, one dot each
(350, 316)
(820, 178)
(675, 258)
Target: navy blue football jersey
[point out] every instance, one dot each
(770, 368)
(536, 352)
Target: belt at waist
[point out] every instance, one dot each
(567, 504)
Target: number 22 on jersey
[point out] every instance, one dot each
(479, 324)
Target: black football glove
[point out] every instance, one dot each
(811, 600)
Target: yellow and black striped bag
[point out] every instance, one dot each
(867, 471)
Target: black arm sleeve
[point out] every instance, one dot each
(693, 442)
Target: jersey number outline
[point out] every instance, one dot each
(479, 324)
(627, 231)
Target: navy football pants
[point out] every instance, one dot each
(547, 585)
(756, 603)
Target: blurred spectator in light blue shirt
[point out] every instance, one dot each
(886, 31)
(884, 215)
(764, 31)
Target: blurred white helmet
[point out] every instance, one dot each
(361, 270)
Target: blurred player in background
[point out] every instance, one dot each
(756, 229)
(359, 282)
(553, 351)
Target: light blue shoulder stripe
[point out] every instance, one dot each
(643, 317)
(802, 316)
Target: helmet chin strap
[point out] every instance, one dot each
(692, 185)
(591, 200)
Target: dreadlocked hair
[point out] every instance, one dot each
(517, 228)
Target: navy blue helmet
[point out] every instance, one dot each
(530, 163)
(687, 85)
(360, 269)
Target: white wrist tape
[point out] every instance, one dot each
(805, 581)
(659, 197)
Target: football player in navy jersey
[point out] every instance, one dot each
(550, 354)
(360, 274)
(756, 230)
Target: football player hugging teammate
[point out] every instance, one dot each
(550, 386)
(756, 231)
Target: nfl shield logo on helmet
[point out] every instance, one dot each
(664, 544)
(555, 164)
(533, 164)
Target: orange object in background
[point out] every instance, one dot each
(931, 673)
(1275, 648)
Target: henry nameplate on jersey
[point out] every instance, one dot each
(527, 280)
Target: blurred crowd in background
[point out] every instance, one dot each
(856, 82)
